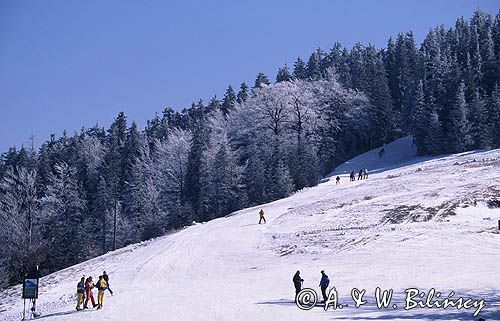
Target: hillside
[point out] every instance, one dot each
(416, 222)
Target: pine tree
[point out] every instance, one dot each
(243, 93)
(377, 90)
(229, 101)
(459, 135)
(261, 80)
(494, 116)
(63, 207)
(314, 64)
(299, 69)
(283, 74)
(479, 131)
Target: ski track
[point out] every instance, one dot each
(234, 269)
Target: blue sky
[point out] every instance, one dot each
(68, 64)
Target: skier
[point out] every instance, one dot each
(297, 282)
(102, 285)
(337, 180)
(106, 278)
(89, 285)
(352, 176)
(360, 174)
(365, 173)
(323, 284)
(381, 152)
(80, 290)
(261, 214)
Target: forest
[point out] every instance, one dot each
(81, 195)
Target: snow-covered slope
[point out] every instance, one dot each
(414, 223)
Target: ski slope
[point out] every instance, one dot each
(416, 222)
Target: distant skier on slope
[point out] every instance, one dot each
(360, 174)
(365, 173)
(352, 176)
(297, 283)
(381, 152)
(102, 285)
(89, 285)
(80, 291)
(337, 180)
(262, 218)
(106, 278)
(323, 284)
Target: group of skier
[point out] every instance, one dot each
(84, 291)
(323, 284)
(362, 174)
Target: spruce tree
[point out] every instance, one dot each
(459, 135)
(261, 80)
(243, 93)
(299, 69)
(283, 74)
(229, 101)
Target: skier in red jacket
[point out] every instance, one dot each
(89, 285)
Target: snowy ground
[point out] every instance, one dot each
(415, 222)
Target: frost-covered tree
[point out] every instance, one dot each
(62, 209)
(171, 162)
(19, 231)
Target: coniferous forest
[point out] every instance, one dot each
(83, 194)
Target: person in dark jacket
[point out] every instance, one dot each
(352, 176)
(297, 282)
(323, 284)
(337, 180)
(381, 152)
(360, 174)
(106, 278)
(80, 291)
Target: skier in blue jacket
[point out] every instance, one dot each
(325, 281)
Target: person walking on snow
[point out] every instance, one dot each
(80, 291)
(381, 152)
(352, 176)
(89, 285)
(106, 278)
(262, 218)
(297, 283)
(102, 285)
(365, 173)
(360, 174)
(337, 180)
(323, 284)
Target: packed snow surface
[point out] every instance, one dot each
(414, 223)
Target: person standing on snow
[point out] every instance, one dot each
(89, 285)
(102, 285)
(297, 282)
(106, 278)
(80, 291)
(365, 173)
(261, 214)
(360, 174)
(352, 176)
(337, 180)
(323, 284)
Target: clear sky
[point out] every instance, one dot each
(67, 64)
